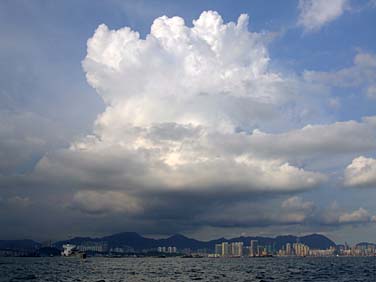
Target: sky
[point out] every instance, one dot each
(206, 118)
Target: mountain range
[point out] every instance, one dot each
(138, 242)
(19, 244)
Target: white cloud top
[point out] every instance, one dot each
(361, 172)
(212, 74)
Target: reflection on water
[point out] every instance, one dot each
(180, 269)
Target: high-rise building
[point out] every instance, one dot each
(260, 251)
(301, 250)
(171, 249)
(236, 249)
(218, 249)
(240, 246)
(288, 249)
(225, 249)
(253, 250)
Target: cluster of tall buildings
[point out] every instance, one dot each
(169, 250)
(363, 249)
(122, 250)
(257, 250)
(222, 249)
(103, 247)
(238, 249)
(296, 249)
(99, 247)
(225, 249)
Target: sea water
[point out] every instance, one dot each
(189, 269)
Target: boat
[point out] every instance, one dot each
(161, 256)
(70, 250)
(187, 256)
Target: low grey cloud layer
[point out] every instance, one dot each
(21, 142)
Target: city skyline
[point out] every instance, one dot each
(209, 119)
(130, 244)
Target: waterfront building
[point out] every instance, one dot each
(117, 250)
(236, 249)
(288, 250)
(170, 249)
(301, 250)
(322, 253)
(100, 247)
(253, 250)
(225, 249)
(218, 249)
(186, 251)
(261, 251)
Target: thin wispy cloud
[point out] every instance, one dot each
(314, 14)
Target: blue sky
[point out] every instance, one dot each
(90, 133)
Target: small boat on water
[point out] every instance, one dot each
(187, 256)
(70, 250)
(192, 256)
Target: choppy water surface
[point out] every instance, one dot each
(182, 269)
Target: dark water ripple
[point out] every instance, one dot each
(180, 269)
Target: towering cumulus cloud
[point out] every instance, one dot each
(181, 105)
(213, 74)
(171, 95)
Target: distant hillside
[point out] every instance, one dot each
(48, 252)
(138, 242)
(28, 245)
(317, 241)
(365, 244)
